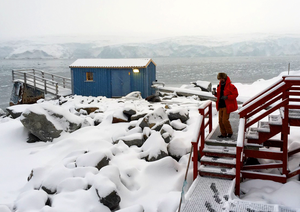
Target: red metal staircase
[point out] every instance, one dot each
(258, 124)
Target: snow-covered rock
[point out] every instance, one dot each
(178, 113)
(96, 159)
(47, 121)
(154, 147)
(33, 200)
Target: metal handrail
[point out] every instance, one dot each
(277, 96)
(41, 79)
(205, 111)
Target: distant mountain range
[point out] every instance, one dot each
(168, 47)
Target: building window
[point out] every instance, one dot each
(89, 76)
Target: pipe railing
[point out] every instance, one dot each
(206, 113)
(50, 83)
(280, 95)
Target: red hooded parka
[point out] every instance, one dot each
(231, 92)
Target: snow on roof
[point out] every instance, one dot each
(112, 63)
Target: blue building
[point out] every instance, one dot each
(112, 77)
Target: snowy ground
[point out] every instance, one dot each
(142, 185)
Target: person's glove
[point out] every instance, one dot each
(224, 97)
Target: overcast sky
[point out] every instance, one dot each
(25, 18)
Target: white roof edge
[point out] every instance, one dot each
(112, 63)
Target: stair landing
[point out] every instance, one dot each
(214, 195)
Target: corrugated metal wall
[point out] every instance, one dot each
(104, 85)
(100, 86)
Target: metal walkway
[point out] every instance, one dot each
(47, 83)
(213, 195)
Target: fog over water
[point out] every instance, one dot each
(171, 71)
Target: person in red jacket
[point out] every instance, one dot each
(226, 103)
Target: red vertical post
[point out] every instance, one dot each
(284, 134)
(201, 131)
(238, 170)
(210, 117)
(195, 160)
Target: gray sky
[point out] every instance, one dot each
(25, 18)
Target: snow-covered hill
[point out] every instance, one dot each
(118, 47)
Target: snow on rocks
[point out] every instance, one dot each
(178, 113)
(47, 121)
(33, 200)
(96, 159)
(154, 148)
(178, 147)
(105, 164)
(106, 191)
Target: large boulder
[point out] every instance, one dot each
(47, 121)
(17, 110)
(157, 117)
(179, 113)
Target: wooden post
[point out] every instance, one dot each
(64, 82)
(13, 75)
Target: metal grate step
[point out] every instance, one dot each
(252, 133)
(275, 120)
(212, 171)
(263, 126)
(218, 162)
(213, 142)
(219, 151)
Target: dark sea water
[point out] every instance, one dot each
(171, 71)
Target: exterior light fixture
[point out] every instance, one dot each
(136, 70)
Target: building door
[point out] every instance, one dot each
(120, 82)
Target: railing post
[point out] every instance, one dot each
(56, 88)
(45, 86)
(210, 117)
(64, 82)
(13, 75)
(239, 154)
(284, 135)
(195, 160)
(238, 170)
(201, 131)
(25, 80)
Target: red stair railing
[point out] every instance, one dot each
(280, 95)
(206, 121)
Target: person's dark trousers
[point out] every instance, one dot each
(225, 126)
